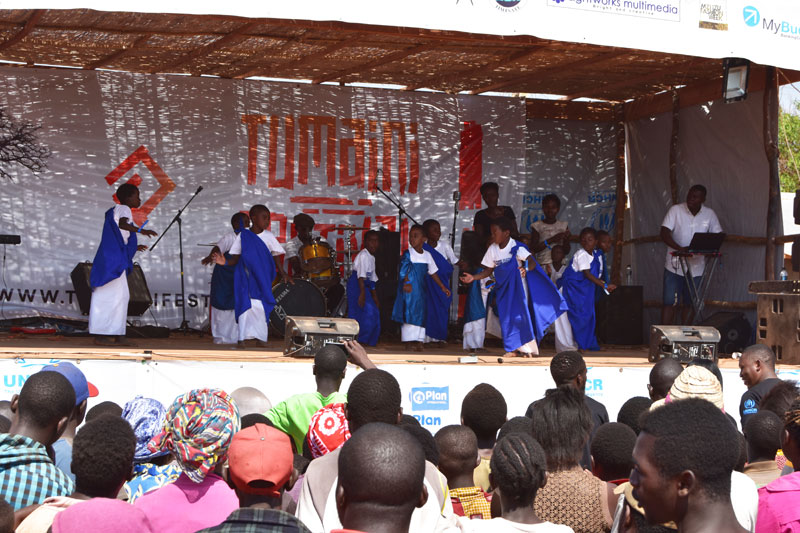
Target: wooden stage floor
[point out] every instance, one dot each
(196, 348)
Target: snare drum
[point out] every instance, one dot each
(302, 298)
(318, 259)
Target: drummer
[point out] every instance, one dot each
(332, 287)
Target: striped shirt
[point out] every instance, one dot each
(27, 474)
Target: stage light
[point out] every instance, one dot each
(736, 72)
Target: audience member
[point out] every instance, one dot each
(151, 470)
(709, 365)
(198, 430)
(632, 410)
(327, 431)
(102, 455)
(763, 435)
(562, 423)
(612, 452)
(519, 470)
(777, 502)
(42, 410)
(103, 514)
(675, 478)
(259, 467)
(5, 410)
(381, 480)
(103, 408)
(694, 382)
(629, 516)
(458, 457)
(662, 375)
(757, 370)
(426, 440)
(250, 400)
(484, 411)
(6, 517)
(5, 424)
(780, 398)
(255, 418)
(83, 391)
(373, 396)
(518, 424)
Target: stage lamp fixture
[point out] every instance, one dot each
(736, 72)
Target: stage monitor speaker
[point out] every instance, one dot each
(387, 257)
(683, 343)
(619, 316)
(140, 300)
(796, 255)
(797, 206)
(305, 335)
(734, 330)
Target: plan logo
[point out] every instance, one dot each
(509, 6)
(751, 16)
(430, 398)
(166, 185)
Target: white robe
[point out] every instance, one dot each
(108, 312)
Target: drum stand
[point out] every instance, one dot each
(341, 308)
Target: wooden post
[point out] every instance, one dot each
(771, 149)
(619, 213)
(673, 148)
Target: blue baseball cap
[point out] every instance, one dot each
(83, 389)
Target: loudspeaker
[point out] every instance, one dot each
(137, 286)
(734, 330)
(387, 257)
(305, 335)
(618, 316)
(387, 293)
(683, 343)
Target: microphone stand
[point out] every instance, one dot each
(456, 199)
(184, 327)
(400, 209)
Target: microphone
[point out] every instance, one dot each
(457, 196)
(200, 188)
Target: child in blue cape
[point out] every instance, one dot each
(525, 309)
(255, 254)
(438, 305)
(578, 286)
(362, 300)
(410, 306)
(112, 263)
(223, 301)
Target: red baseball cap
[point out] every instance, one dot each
(260, 460)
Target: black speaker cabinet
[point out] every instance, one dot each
(387, 292)
(734, 330)
(387, 257)
(618, 316)
(137, 285)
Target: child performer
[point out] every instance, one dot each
(548, 232)
(438, 305)
(475, 313)
(559, 265)
(578, 284)
(253, 276)
(112, 263)
(360, 305)
(223, 303)
(410, 304)
(522, 320)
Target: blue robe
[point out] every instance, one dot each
(437, 303)
(522, 320)
(222, 292)
(369, 316)
(113, 256)
(410, 307)
(599, 293)
(475, 309)
(579, 293)
(253, 275)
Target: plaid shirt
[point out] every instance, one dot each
(248, 520)
(471, 502)
(27, 474)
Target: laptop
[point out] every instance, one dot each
(706, 243)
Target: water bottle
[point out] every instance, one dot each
(628, 275)
(783, 275)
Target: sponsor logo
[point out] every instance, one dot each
(509, 6)
(654, 9)
(714, 15)
(165, 184)
(753, 18)
(428, 420)
(430, 398)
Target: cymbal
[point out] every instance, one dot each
(201, 244)
(352, 228)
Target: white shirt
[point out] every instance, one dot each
(293, 246)
(496, 256)
(424, 257)
(120, 212)
(444, 249)
(744, 498)
(364, 265)
(684, 225)
(266, 237)
(501, 525)
(555, 275)
(226, 242)
(546, 231)
(582, 260)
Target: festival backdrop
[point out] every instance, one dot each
(323, 150)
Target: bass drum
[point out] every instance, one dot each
(302, 298)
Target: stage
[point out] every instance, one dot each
(433, 382)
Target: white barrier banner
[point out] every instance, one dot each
(431, 393)
(321, 150)
(764, 31)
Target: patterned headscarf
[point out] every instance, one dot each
(198, 430)
(146, 417)
(328, 430)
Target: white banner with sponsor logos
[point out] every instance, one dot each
(764, 31)
(321, 150)
(431, 393)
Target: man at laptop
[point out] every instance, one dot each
(677, 229)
